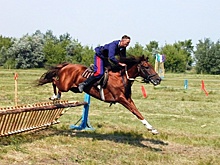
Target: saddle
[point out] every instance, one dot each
(101, 83)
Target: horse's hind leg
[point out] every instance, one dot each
(129, 104)
(56, 95)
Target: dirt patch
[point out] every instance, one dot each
(186, 152)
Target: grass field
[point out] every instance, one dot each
(188, 122)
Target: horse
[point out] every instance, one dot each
(66, 77)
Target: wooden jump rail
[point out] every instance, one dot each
(27, 118)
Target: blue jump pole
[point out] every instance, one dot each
(85, 121)
(185, 84)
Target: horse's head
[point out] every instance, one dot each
(147, 71)
(140, 66)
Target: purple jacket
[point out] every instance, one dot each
(110, 51)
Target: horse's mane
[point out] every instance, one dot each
(59, 65)
(132, 59)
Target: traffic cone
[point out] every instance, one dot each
(143, 91)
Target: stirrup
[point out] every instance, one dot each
(81, 87)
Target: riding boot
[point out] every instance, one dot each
(88, 82)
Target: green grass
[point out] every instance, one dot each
(188, 122)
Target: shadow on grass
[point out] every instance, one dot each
(131, 138)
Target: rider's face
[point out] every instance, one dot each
(124, 42)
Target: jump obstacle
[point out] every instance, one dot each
(159, 64)
(27, 118)
(85, 125)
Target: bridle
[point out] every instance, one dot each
(142, 70)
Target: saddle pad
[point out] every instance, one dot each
(87, 73)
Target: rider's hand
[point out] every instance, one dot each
(122, 64)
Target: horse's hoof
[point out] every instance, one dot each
(53, 99)
(153, 131)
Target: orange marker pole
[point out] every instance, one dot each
(143, 91)
(203, 88)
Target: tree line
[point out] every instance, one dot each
(40, 50)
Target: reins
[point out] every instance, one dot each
(126, 72)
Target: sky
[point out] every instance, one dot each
(95, 22)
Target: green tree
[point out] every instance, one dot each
(207, 56)
(49, 36)
(55, 49)
(187, 48)
(25, 52)
(74, 51)
(54, 53)
(87, 55)
(5, 43)
(139, 50)
(175, 59)
(151, 49)
(178, 56)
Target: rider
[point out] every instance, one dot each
(108, 51)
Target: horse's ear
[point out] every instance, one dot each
(147, 59)
(142, 57)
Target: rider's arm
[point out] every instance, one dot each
(111, 53)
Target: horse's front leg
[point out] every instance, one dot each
(129, 104)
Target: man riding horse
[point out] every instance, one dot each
(101, 57)
(69, 76)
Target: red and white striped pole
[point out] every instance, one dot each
(16, 88)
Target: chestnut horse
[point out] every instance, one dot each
(118, 88)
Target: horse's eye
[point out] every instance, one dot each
(146, 67)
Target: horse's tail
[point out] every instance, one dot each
(50, 74)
